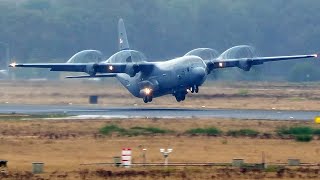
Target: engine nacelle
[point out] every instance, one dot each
(91, 69)
(245, 64)
(148, 86)
(132, 69)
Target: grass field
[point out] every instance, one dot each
(65, 144)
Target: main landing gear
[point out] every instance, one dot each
(180, 96)
(147, 99)
(194, 89)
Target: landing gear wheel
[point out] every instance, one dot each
(145, 99)
(196, 89)
(183, 97)
(192, 89)
(180, 97)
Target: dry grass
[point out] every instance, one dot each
(212, 95)
(64, 144)
(75, 142)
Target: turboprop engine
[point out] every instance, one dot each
(245, 64)
(247, 53)
(132, 69)
(87, 56)
(91, 69)
(148, 87)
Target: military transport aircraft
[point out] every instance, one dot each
(148, 80)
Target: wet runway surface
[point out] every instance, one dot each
(136, 112)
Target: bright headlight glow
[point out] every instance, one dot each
(315, 55)
(13, 64)
(147, 91)
(110, 68)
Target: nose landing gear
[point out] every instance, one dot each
(194, 89)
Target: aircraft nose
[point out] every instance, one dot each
(198, 74)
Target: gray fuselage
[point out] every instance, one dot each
(168, 77)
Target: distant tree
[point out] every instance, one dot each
(37, 4)
(42, 30)
(303, 72)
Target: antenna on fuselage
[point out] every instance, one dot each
(123, 39)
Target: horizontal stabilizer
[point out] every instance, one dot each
(88, 76)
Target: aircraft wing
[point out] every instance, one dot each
(76, 67)
(91, 68)
(247, 63)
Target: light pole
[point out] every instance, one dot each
(144, 156)
(165, 153)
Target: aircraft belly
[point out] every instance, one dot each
(170, 81)
(166, 83)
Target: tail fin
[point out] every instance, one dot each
(123, 40)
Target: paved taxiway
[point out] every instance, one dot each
(130, 112)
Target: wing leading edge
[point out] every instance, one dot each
(77, 67)
(92, 68)
(247, 63)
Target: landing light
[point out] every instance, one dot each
(147, 91)
(110, 68)
(315, 55)
(220, 64)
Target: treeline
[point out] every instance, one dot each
(53, 30)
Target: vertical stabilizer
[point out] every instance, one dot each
(123, 40)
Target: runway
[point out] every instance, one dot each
(143, 112)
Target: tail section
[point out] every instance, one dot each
(123, 40)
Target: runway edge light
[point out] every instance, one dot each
(317, 119)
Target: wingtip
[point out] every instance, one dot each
(315, 55)
(14, 64)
